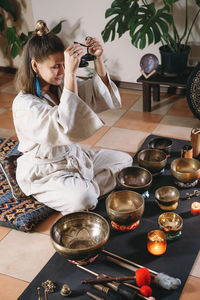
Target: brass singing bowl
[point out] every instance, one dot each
(185, 170)
(125, 207)
(161, 143)
(80, 235)
(170, 222)
(135, 178)
(167, 195)
(153, 160)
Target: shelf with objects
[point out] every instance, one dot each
(157, 79)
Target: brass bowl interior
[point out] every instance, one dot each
(125, 206)
(167, 195)
(134, 178)
(170, 222)
(152, 159)
(161, 143)
(185, 169)
(79, 235)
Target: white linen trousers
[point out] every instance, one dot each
(53, 168)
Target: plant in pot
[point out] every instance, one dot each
(151, 22)
(14, 42)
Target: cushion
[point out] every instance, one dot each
(17, 210)
(8, 167)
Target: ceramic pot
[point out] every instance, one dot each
(174, 64)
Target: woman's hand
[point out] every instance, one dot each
(95, 47)
(72, 58)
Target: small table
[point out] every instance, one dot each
(158, 79)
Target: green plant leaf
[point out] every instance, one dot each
(110, 27)
(14, 51)
(123, 11)
(58, 27)
(9, 8)
(2, 24)
(5, 48)
(23, 38)
(11, 35)
(150, 25)
(150, 37)
(112, 11)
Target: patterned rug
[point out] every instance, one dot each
(21, 213)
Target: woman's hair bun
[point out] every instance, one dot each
(41, 28)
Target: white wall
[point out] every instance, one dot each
(87, 17)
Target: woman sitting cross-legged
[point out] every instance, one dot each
(53, 111)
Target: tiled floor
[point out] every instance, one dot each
(23, 255)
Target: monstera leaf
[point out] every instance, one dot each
(144, 23)
(151, 25)
(148, 23)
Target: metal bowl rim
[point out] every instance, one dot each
(127, 212)
(185, 159)
(161, 138)
(134, 186)
(169, 213)
(152, 150)
(167, 186)
(74, 251)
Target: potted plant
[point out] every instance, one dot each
(14, 42)
(150, 23)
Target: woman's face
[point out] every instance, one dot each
(51, 70)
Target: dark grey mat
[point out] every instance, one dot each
(176, 262)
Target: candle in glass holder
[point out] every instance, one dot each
(156, 242)
(195, 208)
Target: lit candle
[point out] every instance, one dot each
(156, 242)
(195, 208)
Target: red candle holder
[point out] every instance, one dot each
(195, 208)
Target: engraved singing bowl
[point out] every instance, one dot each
(80, 236)
(171, 223)
(125, 207)
(135, 178)
(185, 170)
(163, 144)
(167, 195)
(153, 160)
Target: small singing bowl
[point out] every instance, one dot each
(124, 207)
(171, 223)
(153, 160)
(161, 143)
(185, 170)
(167, 197)
(80, 236)
(134, 178)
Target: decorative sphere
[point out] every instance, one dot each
(149, 62)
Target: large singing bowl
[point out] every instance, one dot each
(185, 170)
(135, 178)
(125, 207)
(80, 236)
(153, 160)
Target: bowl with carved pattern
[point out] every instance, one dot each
(80, 236)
